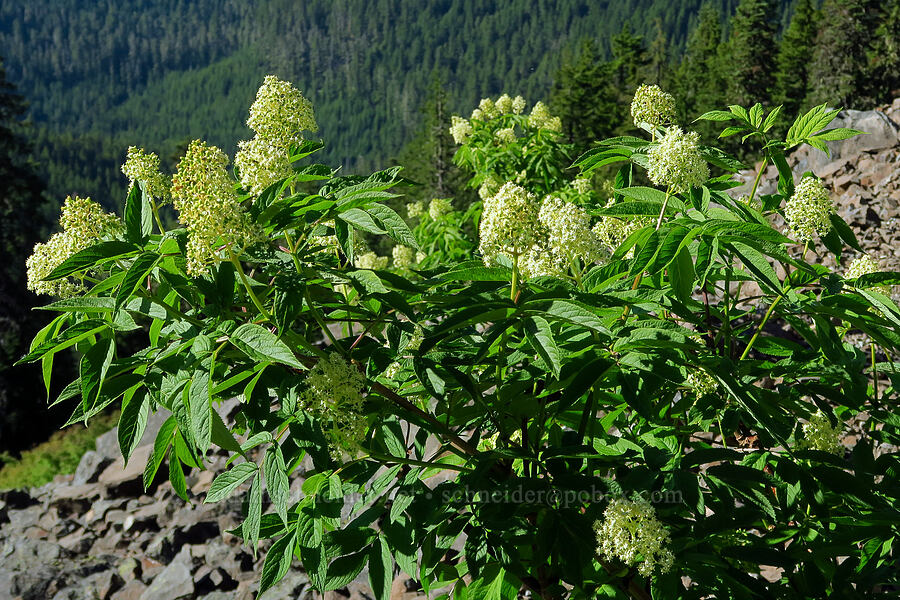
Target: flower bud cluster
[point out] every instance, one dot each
(582, 186)
(630, 530)
(208, 206)
(569, 233)
(820, 434)
(508, 223)
(439, 207)
(334, 394)
(612, 231)
(278, 115)
(540, 118)
(404, 256)
(370, 260)
(144, 166)
(460, 129)
(675, 162)
(653, 106)
(415, 209)
(864, 265)
(83, 222)
(808, 211)
(701, 383)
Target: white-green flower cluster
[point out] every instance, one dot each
(820, 434)
(612, 231)
(416, 339)
(508, 223)
(518, 105)
(280, 111)
(439, 207)
(370, 260)
(278, 115)
(582, 186)
(83, 222)
(507, 135)
(334, 394)
(404, 256)
(540, 118)
(808, 212)
(208, 206)
(144, 166)
(630, 530)
(415, 209)
(864, 265)
(460, 129)
(540, 261)
(675, 162)
(569, 233)
(701, 383)
(261, 162)
(489, 186)
(653, 106)
(504, 104)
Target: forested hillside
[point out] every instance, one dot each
(159, 73)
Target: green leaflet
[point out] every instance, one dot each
(227, 482)
(540, 336)
(259, 343)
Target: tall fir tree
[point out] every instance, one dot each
(886, 67)
(427, 158)
(752, 51)
(22, 409)
(794, 57)
(584, 98)
(658, 67)
(840, 71)
(699, 84)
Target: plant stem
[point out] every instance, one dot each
(514, 287)
(259, 306)
(321, 321)
(761, 325)
(874, 373)
(662, 211)
(759, 173)
(154, 208)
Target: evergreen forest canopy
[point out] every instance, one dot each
(102, 76)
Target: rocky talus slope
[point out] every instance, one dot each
(97, 535)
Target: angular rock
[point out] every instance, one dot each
(174, 581)
(126, 480)
(89, 467)
(133, 590)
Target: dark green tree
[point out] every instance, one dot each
(427, 158)
(21, 225)
(752, 51)
(699, 84)
(584, 98)
(794, 56)
(886, 67)
(840, 71)
(658, 67)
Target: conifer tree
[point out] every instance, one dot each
(428, 157)
(752, 51)
(657, 69)
(21, 225)
(699, 84)
(584, 99)
(794, 56)
(886, 68)
(840, 71)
